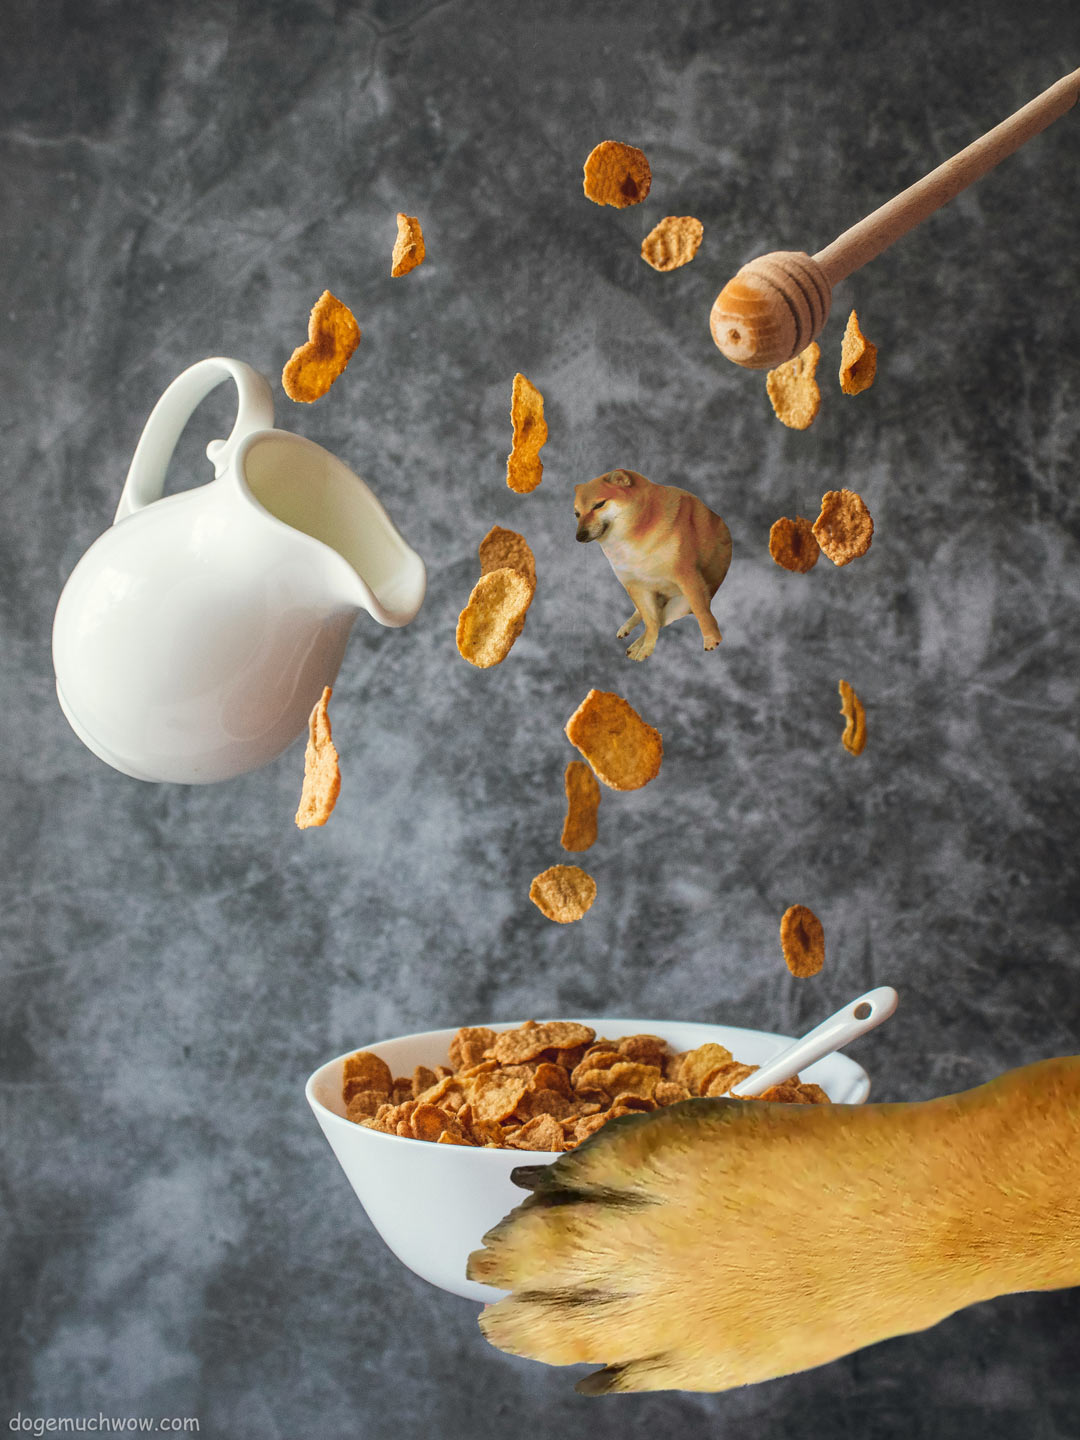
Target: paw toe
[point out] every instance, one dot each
(577, 1325)
(652, 1372)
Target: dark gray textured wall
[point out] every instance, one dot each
(183, 180)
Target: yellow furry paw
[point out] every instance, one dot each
(690, 1248)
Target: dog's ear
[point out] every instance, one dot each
(625, 478)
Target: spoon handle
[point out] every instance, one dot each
(855, 1019)
(851, 250)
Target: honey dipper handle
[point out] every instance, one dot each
(855, 247)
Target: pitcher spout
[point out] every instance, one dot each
(299, 484)
(398, 600)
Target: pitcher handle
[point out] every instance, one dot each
(255, 411)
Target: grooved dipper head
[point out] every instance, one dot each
(771, 310)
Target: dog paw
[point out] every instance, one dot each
(673, 1249)
(631, 624)
(641, 649)
(604, 1263)
(712, 641)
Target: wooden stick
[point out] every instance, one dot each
(775, 306)
(866, 240)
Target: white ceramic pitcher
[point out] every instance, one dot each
(195, 635)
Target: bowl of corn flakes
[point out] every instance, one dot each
(429, 1127)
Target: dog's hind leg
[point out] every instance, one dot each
(631, 624)
(697, 596)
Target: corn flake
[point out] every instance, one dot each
(794, 1092)
(596, 1058)
(622, 749)
(589, 1125)
(333, 335)
(851, 707)
(494, 617)
(582, 803)
(793, 390)
(468, 1045)
(617, 174)
(858, 359)
(563, 893)
(699, 1066)
(630, 1077)
(844, 529)
(724, 1079)
(507, 550)
(648, 1049)
(496, 1096)
(549, 1076)
(367, 1067)
(408, 247)
(512, 1047)
(793, 544)
(524, 469)
(322, 774)
(672, 243)
(428, 1122)
(540, 1133)
(802, 939)
(359, 1103)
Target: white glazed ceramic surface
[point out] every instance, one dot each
(193, 638)
(433, 1204)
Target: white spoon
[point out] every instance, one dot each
(855, 1019)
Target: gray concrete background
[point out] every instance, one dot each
(183, 180)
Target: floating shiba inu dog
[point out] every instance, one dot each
(667, 548)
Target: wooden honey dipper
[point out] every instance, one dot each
(777, 304)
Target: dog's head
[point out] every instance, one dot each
(598, 502)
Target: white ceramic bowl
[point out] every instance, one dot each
(433, 1204)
